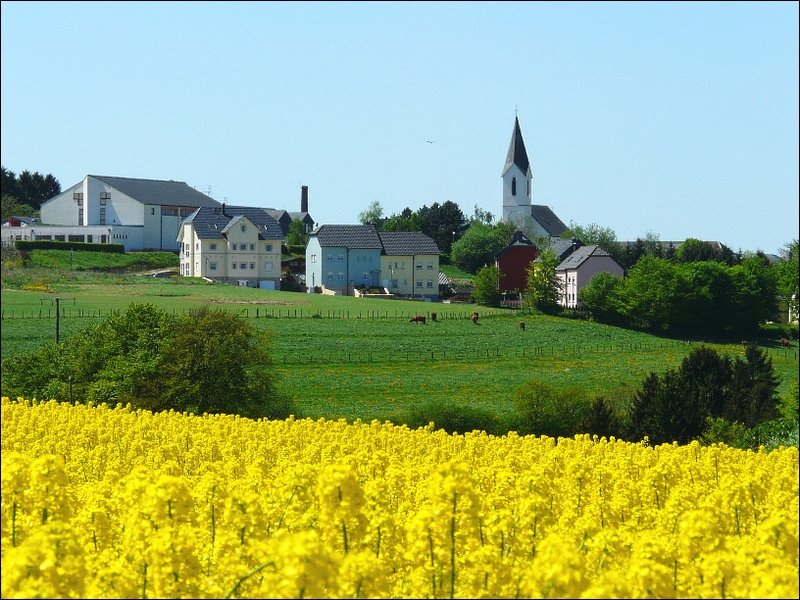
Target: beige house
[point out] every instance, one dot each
(409, 263)
(232, 244)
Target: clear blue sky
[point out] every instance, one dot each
(675, 119)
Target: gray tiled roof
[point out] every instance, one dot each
(577, 258)
(407, 243)
(548, 220)
(348, 236)
(154, 191)
(563, 248)
(517, 154)
(211, 223)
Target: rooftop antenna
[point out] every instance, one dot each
(208, 193)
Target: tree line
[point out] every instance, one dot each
(23, 194)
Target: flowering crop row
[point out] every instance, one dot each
(111, 502)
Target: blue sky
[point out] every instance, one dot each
(673, 119)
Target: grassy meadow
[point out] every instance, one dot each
(345, 357)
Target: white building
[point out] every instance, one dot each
(141, 214)
(577, 270)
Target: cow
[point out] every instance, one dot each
(522, 325)
(433, 317)
(417, 319)
(785, 342)
(474, 318)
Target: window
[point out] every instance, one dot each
(419, 284)
(529, 187)
(244, 228)
(313, 257)
(268, 266)
(252, 266)
(212, 266)
(330, 276)
(105, 196)
(430, 284)
(242, 265)
(513, 186)
(330, 256)
(80, 215)
(197, 245)
(77, 196)
(252, 247)
(102, 215)
(233, 265)
(340, 258)
(268, 248)
(419, 266)
(169, 212)
(212, 246)
(341, 276)
(430, 266)
(152, 211)
(233, 246)
(365, 276)
(102, 201)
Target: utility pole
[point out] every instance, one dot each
(58, 315)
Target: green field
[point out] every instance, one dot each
(344, 357)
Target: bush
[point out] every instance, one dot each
(543, 409)
(453, 418)
(28, 245)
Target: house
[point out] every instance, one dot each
(140, 214)
(340, 258)
(232, 244)
(578, 268)
(409, 264)
(513, 261)
(285, 217)
(534, 219)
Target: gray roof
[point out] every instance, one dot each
(548, 220)
(407, 243)
(563, 248)
(581, 255)
(516, 151)
(302, 216)
(154, 191)
(212, 223)
(348, 236)
(518, 239)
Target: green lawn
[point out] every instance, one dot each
(361, 358)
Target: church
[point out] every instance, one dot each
(535, 220)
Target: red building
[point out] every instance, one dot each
(513, 261)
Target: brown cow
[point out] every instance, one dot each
(474, 318)
(417, 319)
(785, 342)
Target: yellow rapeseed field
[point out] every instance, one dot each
(112, 502)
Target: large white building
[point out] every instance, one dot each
(140, 214)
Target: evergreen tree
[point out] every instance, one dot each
(754, 389)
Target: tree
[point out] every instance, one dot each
(755, 292)
(601, 420)
(652, 289)
(442, 222)
(544, 286)
(544, 409)
(296, 236)
(487, 286)
(11, 207)
(593, 234)
(407, 220)
(30, 188)
(372, 215)
(694, 250)
(478, 247)
(754, 389)
(787, 277)
(602, 298)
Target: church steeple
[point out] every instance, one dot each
(517, 180)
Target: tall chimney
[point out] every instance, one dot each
(304, 198)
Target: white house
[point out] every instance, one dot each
(577, 270)
(232, 244)
(141, 214)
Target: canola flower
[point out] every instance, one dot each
(105, 502)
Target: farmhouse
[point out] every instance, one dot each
(232, 244)
(340, 258)
(513, 261)
(140, 214)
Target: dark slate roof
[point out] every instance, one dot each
(581, 255)
(516, 151)
(563, 248)
(154, 191)
(548, 220)
(302, 216)
(348, 236)
(211, 223)
(519, 239)
(407, 243)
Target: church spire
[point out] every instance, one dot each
(516, 151)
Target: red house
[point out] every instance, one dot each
(513, 261)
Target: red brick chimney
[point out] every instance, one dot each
(304, 198)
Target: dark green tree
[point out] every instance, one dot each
(407, 220)
(654, 291)
(753, 395)
(440, 221)
(787, 277)
(601, 420)
(594, 234)
(602, 298)
(477, 248)
(487, 286)
(296, 236)
(544, 409)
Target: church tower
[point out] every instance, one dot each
(517, 180)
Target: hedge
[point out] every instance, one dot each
(28, 245)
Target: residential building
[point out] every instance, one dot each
(285, 217)
(140, 214)
(578, 269)
(340, 258)
(232, 244)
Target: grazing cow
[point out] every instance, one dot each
(785, 342)
(474, 318)
(522, 325)
(417, 319)
(433, 317)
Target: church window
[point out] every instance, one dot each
(513, 186)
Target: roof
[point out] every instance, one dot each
(302, 216)
(154, 191)
(548, 220)
(517, 154)
(407, 243)
(580, 256)
(562, 248)
(348, 236)
(518, 240)
(212, 223)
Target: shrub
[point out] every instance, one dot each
(453, 418)
(543, 409)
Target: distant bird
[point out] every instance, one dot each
(431, 141)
